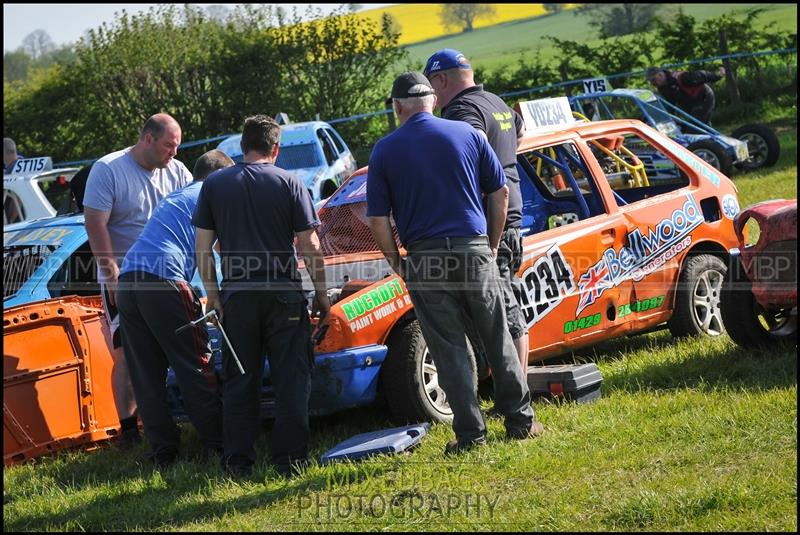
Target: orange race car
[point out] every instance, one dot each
(608, 251)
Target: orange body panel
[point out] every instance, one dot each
(56, 378)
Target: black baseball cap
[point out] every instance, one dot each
(408, 84)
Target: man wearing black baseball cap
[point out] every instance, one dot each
(429, 175)
(461, 99)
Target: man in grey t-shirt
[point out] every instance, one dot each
(122, 191)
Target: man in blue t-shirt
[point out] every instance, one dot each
(429, 175)
(154, 298)
(256, 209)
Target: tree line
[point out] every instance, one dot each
(210, 69)
(677, 40)
(209, 72)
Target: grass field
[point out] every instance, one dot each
(421, 22)
(688, 435)
(502, 44)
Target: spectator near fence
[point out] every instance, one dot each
(10, 154)
(688, 90)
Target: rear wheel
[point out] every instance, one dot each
(748, 323)
(714, 154)
(762, 144)
(697, 310)
(409, 379)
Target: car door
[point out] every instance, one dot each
(662, 214)
(570, 289)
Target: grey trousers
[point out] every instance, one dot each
(451, 280)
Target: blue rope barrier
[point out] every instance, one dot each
(642, 72)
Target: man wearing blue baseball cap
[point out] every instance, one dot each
(461, 99)
(428, 175)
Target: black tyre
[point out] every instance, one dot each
(714, 154)
(748, 323)
(409, 380)
(762, 144)
(697, 311)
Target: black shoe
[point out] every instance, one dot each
(207, 454)
(237, 467)
(494, 412)
(164, 460)
(294, 469)
(454, 447)
(238, 470)
(130, 439)
(535, 430)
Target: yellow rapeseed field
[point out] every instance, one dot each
(419, 22)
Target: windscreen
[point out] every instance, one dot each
(26, 249)
(298, 157)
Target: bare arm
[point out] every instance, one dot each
(315, 264)
(381, 229)
(100, 242)
(204, 239)
(497, 208)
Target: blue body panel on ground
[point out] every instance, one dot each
(385, 441)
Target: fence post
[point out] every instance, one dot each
(565, 78)
(730, 75)
(390, 116)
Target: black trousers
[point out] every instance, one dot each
(150, 309)
(272, 322)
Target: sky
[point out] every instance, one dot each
(66, 23)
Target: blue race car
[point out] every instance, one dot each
(750, 147)
(313, 150)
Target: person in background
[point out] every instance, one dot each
(155, 298)
(433, 191)
(10, 155)
(122, 192)
(688, 90)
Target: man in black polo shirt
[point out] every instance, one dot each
(255, 210)
(460, 99)
(429, 175)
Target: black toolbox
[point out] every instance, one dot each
(576, 382)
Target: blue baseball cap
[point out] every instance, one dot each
(445, 59)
